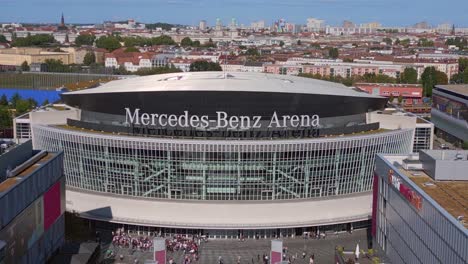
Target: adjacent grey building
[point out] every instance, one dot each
(32, 204)
(420, 207)
(450, 112)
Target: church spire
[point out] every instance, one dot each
(62, 21)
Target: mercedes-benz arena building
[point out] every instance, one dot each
(222, 154)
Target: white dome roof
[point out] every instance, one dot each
(229, 81)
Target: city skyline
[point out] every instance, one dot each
(191, 12)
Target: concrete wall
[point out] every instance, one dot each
(428, 164)
(58, 117)
(454, 170)
(16, 57)
(445, 167)
(392, 121)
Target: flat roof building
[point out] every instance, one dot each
(32, 204)
(420, 206)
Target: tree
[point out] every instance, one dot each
(391, 98)
(459, 42)
(6, 120)
(163, 26)
(25, 66)
(379, 78)
(36, 40)
(131, 49)
(196, 43)
(205, 66)
(3, 39)
(431, 77)
(85, 39)
(333, 53)
(252, 52)
(400, 99)
(3, 100)
(46, 102)
(186, 42)
(405, 42)
(89, 58)
(32, 103)
(14, 99)
(55, 65)
(162, 40)
(281, 43)
(121, 70)
(465, 145)
(299, 42)
(109, 43)
(388, 41)
(209, 44)
(464, 76)
(423, 42)
(157, 70)
(22, 106)
(441, 78)
(462, 64)
(397, 41)
(409, 75)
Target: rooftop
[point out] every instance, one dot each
(450, 195)
(25, 169)
(461, 89)
(220, 81)
(447, 155)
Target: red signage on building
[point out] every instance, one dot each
(410, 195)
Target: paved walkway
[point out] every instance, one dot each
(251, 250)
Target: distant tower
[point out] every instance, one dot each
(62, 21)
(62, 26)
(202, 25)
(219, 24)
(453, 29)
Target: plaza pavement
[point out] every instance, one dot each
(250, 250)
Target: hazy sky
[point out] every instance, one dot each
(190, 12)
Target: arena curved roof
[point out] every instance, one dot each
(229, 81)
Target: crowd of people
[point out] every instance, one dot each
(122, 239)
(189, 246)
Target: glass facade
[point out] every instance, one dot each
(422, 138)
(23, 130)
(219, 169)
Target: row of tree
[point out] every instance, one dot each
(188, 42)
(462, 75)
(429, 78)
(36, 40)
(113, 42)
(146, 71)
(460, 42)
(14, 107)
(194, 66)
